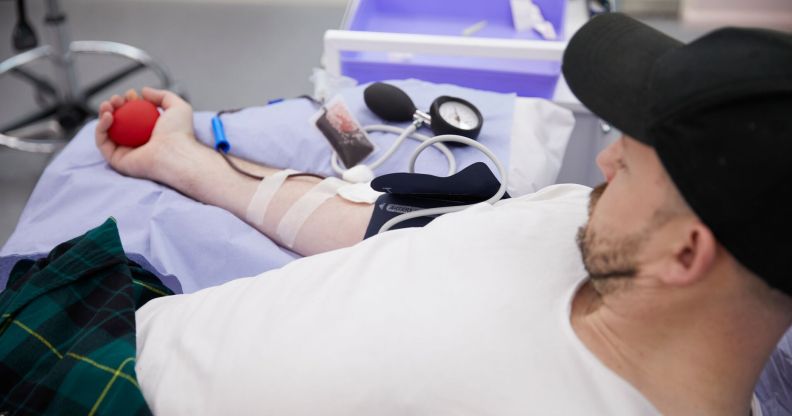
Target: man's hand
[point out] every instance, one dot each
(172, 136)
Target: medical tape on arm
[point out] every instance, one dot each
(291, 223)
(267, 188)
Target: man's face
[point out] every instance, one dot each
(624, 213)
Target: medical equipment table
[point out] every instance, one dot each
(590, 134)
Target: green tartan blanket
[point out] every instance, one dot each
(67, 329)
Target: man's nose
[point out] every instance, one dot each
(606, 160)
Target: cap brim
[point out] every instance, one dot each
(607, 65)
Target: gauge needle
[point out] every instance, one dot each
(459, 119)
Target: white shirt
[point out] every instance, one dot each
(469, 315)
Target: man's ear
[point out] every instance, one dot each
(693, 255)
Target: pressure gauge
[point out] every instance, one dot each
(448, 115)
(451, 115)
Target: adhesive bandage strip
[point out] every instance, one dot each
(267, 188)
(295, 218)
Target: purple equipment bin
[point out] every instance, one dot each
(451, 18)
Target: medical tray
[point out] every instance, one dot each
(452, 18)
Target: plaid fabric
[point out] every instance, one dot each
(67, 329)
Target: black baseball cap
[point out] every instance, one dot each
(718, 111)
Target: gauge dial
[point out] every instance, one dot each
(459, 115)
(452, 115)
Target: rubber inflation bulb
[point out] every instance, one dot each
(389, 102)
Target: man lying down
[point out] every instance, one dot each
(685, 290)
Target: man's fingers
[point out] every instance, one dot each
(103, 142)
(105, 107)
(117, 101)
(162, 98)
(105, 121)
(154, 95)
(131, 95)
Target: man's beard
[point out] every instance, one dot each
(609, 261)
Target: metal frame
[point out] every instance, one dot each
(64, 100)
(336, 41)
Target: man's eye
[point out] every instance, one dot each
(621, 165)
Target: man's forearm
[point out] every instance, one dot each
(202, 174)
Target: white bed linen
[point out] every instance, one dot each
(468, 315)
(539, 139)
(158, 225)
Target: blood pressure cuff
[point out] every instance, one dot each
(407, 192)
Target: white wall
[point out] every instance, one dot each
(649, 7)
(770, 13)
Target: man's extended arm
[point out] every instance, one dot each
(174, 158)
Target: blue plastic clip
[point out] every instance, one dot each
(275, 101)
(221, 143)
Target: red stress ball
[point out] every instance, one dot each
(133, 123)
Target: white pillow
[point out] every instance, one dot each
(540, 134)
(425, 316)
